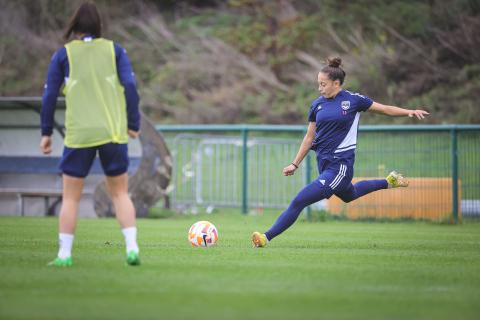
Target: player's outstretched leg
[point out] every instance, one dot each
(359, 189)
(396, 180)
(312, 193)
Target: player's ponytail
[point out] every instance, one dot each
(333, 69)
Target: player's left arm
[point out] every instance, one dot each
(393, 111)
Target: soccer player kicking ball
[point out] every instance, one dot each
(332, 133)
(102, 112)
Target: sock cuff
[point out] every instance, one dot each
(66, 236)
(268, 236)
(129, 230)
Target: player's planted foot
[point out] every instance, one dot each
(396, 180)
(259, 240)
(58, 262)
(133, 259)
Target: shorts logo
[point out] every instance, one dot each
(345, 105)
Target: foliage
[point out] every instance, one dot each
(256, 61)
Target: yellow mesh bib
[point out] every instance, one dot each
(96, 110)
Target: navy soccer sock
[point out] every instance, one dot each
(365, 187)
(310, 194)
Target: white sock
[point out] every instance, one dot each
(65, 242)
(130, 235)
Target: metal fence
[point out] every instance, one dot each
(209, 171)
(240, 166)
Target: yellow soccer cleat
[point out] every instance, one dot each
(396, 180)
(259, 240)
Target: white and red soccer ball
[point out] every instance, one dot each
(203, 234)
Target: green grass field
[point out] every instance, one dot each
(329, 270)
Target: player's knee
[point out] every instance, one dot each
(297, 202)
(117, 193)
(348, 198)
(301, 201)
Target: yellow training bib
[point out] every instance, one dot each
(96, 109)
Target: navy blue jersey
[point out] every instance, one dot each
(337, 123)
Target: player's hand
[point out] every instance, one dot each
(420, 114)
(289, 170)
(46, 144)
(133, 134)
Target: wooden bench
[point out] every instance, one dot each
(46, 194)
(41, 171)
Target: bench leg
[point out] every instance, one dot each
(20, 204)
(45, 201)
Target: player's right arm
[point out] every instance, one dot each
(303, 151)
(46, 144)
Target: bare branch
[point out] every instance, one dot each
(337, 38)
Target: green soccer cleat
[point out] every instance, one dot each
(259, 240)
(58, 262)
(133, 259)
(396, 180)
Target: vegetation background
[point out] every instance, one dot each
(252, 61)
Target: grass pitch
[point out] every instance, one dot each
(328, 270)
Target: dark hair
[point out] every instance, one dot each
(333, 70)
(85, 20)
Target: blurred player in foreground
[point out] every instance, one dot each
(102, 112)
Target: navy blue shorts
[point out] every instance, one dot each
(335, 176)
(77, 162)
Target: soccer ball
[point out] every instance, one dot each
(203, 234)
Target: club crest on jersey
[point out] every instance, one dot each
(345, 105)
